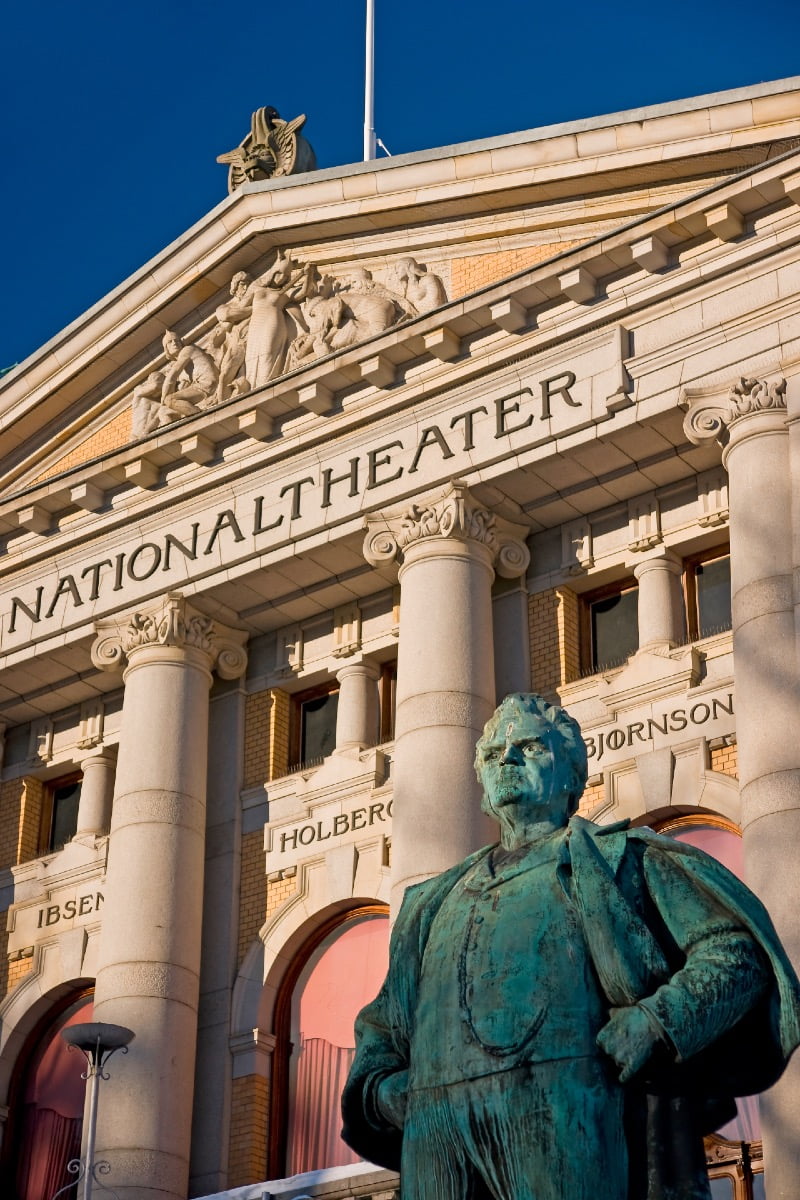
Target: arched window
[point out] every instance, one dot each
(47, 1108)
(336, 974)
(734, 1151)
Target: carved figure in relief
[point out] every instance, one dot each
(420, 288)
(273, 147)
(229, 339)
(147, 409)
(368, 309)
(568, 1010)
(272, 328)
(190, 381)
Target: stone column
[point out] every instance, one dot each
(357, 714)
(752, 425)
(448, 547)
(660, 606)
(97, 790)
(149, 953)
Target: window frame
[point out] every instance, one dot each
(690, 593)
(298, 699)
(46, 830)
(586, 641)
(387, 701)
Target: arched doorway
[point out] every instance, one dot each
(339, 969)
(47, 1102)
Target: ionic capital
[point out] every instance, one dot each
(450, 515)
(170, 624)
(711, 417)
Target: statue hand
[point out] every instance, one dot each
(392, 1098)
(628, 1038)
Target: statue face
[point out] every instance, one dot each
(523, 763)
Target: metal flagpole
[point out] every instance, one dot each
(369, 85)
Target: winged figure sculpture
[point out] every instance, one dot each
(273, 147)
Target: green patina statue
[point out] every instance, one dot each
(569, 1011)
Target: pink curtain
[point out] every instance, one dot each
(49, 1141)
(315, 1119)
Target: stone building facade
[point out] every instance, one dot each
(286, 513)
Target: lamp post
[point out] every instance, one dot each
(98, 1041)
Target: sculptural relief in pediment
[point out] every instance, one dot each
(283, 319)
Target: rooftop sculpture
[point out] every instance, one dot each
(272, 148)
(568, 1012)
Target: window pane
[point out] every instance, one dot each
(713, 596)
(65, 814)
(722, 1188)
(318, 727)
(615, 629)
(759, 1191)
(342, 975)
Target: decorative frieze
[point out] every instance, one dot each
(644, 523)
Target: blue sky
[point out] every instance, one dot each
(113, 113)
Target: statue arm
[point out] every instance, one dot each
(722, 973)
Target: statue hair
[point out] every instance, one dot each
(517, 706)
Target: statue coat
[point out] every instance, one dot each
(625, 887)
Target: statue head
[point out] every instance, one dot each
(172, 344)
(531, 758)
(239, 283)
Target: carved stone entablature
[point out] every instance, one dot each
(170, 622)
(710, 416)
(285, 318)
(453, 513)
(644, 523)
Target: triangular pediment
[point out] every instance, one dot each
(469, 217)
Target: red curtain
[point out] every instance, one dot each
(315, 1118)
(49, 1141)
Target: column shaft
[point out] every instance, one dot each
(660, 607)
(357, 714)
(764, 649)
(149, 954)
(97, 790)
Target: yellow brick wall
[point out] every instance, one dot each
(247, 1157)
(278, 891)
(279, 715)
(252, 891)
(113, 436)
(591, 798)
(725, 760)
(257, 738)
(553, 621)
(20, 820)
(478, 270)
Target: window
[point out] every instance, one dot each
(48, 1111)
(60, 813)
(708, 593)
(388, 699)
(313, 729)
(338, 972)
(610, 626)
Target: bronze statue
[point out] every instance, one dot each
(568, 1012)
